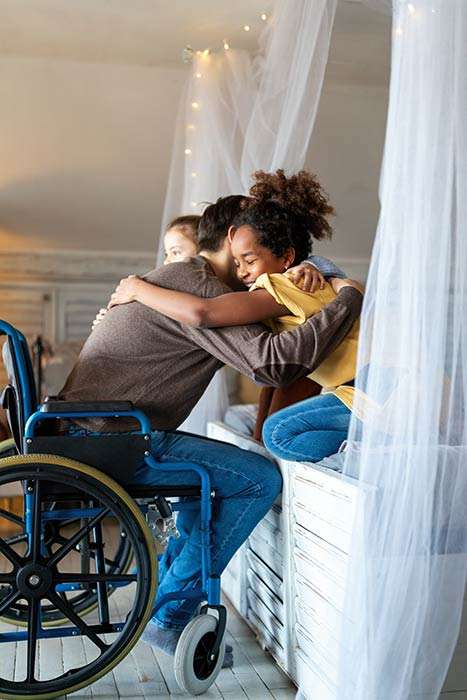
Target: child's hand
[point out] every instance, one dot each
(307, 277)
(98, 318)
(125, 291)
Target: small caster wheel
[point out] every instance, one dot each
(195, 670)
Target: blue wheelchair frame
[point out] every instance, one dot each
(210, 590)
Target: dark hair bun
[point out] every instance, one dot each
(286, 212)
(300, 195)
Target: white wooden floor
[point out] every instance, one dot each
(144, 673)
(148, 674)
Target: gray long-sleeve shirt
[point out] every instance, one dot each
(163, 367)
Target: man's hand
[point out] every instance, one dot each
(338, 284)
(307, 277)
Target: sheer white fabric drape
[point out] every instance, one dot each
(239, 114)
(407, 575)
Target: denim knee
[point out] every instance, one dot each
(269, 427)
(271, 483)
(265, 474)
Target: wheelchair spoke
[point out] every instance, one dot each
(73, 541)
(68, 611)
(9, 600)
(60, 539)
(16, 539)
(7, 578)
(94, 578)
(36, 522)
(11, 516)
(10, 553)
(33, 623)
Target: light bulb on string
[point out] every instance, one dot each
(246, 28)
(264, 16)
(194, 174)
(398, 31)
(198, 75)
(226, 45)
(195, 105)
(188, 151)
(190, 127)
(206, 52)
(411, 8)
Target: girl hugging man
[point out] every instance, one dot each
(273, 231)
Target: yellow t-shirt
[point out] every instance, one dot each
(340, 366)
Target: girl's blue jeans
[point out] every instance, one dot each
(308, 431)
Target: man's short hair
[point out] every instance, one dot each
(216, 221)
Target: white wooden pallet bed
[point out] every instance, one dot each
(288, 580)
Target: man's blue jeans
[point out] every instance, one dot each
(309, 430)
(246, 486)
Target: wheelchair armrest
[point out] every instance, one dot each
(56, 406)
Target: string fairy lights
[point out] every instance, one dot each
(188, 52)
(201, 55)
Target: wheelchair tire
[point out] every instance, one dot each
(33, 579)
(195, 671)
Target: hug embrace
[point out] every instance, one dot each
(242, 289)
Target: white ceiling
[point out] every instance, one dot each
(154, 32)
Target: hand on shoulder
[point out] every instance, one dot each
(306, 276)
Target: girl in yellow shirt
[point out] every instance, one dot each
(275, 230)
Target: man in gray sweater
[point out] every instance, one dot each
(163, 367)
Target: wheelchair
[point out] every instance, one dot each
(83, 531)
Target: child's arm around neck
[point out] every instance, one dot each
(233, 309)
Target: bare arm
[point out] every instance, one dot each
(280, 359)
(233, 309)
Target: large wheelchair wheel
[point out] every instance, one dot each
(84, 598)
(91, 648)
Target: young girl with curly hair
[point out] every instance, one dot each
(274, 230)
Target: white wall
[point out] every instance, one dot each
(85, 147)
(85, 152)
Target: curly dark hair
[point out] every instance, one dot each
(287, 212)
